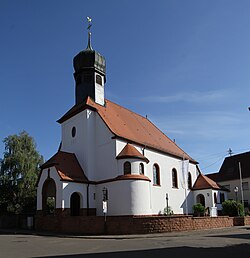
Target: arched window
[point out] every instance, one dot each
(174, 178)
(75, 204)
(189, 180)
(127, 168)
(49, 196)
(156, 175)
(98, 79)
(141, 169)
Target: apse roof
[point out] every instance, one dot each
(129, 151)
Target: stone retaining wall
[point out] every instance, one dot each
(241, 221)
(15, 221)
(128, 224)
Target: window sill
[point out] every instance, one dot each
(156, 185)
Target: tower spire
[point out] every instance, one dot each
(89, 47)
(90, 73)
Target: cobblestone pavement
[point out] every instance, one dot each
(227, 242)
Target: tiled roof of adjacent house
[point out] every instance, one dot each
(129, 151)
(130, 126)
(230, 168)
(203, 182)
(67, 167)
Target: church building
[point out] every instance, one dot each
(114, 162)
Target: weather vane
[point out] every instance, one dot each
(90, 23)
(89, 47)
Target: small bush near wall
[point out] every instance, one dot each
(168, 211)
(198, 209)
(232, 208)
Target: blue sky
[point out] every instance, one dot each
(184, 64)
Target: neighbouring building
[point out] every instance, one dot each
(234, 175)
(112, 160)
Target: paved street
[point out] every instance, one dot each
(229, 242)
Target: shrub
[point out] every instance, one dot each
(198, 209)
(168, 211)
(232, 208)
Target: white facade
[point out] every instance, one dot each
(96, 152)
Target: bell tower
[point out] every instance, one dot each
(90, 73)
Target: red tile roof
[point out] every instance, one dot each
(203, 182)
(130, 126)
(129, 151)
(67, 166)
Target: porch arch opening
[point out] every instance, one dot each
(49, 196)
(200, 199)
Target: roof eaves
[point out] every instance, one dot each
(154, 148)
(74, 111)
(204, 188)
(48, 165)
(133, 156)
(76, 180)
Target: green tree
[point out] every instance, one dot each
(19, 171)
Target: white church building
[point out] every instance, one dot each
(113, 161)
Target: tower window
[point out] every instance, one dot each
(127, 168)
(98, 79)
(156, 175)
(174, 178)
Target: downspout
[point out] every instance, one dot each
(88, 200)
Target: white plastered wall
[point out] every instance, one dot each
(83, 143)
(125, 197)
(135, 166)
(93, 145)
(177, 196)
(85, 191)
(69, 188)
(105, 155)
